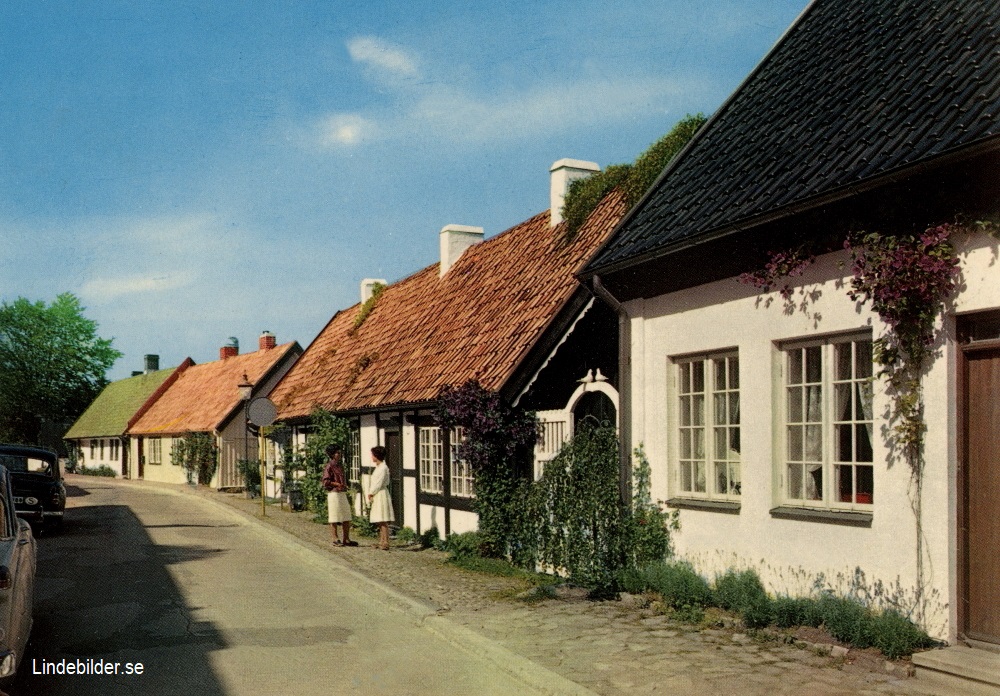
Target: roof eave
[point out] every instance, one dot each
(978, 148)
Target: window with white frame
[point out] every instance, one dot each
(828, 425)
(708, 426)
(461, 472)
(114, 450)
(102, 450)
(93, 450)
(154, 451)
(431, 460)
(354, 456)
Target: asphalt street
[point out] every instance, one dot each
(176, 595)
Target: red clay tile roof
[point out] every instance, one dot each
(204, 395)
(479, 321)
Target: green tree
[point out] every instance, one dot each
(327, 429)
(52, 364)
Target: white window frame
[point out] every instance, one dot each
(354, 456)
(835, 407)
(706, 408)
(462, 484)
(154, 450)
(431, 455)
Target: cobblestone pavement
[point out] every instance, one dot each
(614, 647)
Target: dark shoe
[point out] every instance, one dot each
(350, 543)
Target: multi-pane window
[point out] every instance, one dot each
(461, 472)
(154, 450)
(708, 426)
(93, 450)
(431, 460)
(828, 423)
(102, 450)
(114, 450)
(354, 456)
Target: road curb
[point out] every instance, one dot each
(533, 675)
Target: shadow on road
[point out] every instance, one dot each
(104, 594)
(75, 491)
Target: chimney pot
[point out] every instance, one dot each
(562, 173)
(231, 349)
(368, 287)
(455, 239)
(267, 341)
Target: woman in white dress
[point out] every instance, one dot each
(379, 498)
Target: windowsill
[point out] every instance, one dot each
(844, 517)
(727, 506)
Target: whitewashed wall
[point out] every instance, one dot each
(789, 554)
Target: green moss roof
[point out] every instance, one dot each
(110, 412)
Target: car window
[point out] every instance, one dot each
(23, 463)
(6, 515)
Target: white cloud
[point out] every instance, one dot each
(541, 111)
(457, 111)
(104, 289)
(345, 130)
(382, 56)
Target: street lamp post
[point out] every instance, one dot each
(246, 391)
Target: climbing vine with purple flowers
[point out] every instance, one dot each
(906, 279)
(498, 446)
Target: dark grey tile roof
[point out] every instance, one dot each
(854, 91)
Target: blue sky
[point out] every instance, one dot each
(198, 170)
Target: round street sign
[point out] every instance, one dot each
(262, 411)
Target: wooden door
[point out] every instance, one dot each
(394, 460)
(982, 495)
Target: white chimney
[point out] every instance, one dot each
(368, 287)
(455, 239)
(563, 173)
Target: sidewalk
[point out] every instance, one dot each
(618, 647)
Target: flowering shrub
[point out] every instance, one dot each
(782, 264)
(907, 280)
(498, 446)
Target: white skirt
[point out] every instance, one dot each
(338, 507)
(381, 510)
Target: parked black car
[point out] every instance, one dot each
(39, 492)
(17, 580)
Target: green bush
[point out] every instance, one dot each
(362, 526)
(847, 620)
(649, 526)
(250, 471)
(407, 535)
(586, 193)
(327, 429)
(796, 611)
(632, 580)
(679, 584)
(689, 614)
(897, 636)
(465, 545)
(634, 180)
(430, 539)
(581, 524)
(102, 470)
(737, 589)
